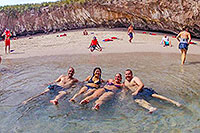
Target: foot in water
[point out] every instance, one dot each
(178, 104)
(84, 102)
(152, 109)
(96, 107)
(55, 102)
(72, 100)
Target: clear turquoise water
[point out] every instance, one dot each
(22, 78)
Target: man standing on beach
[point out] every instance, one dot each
(184, 39)
(63, 83)
(130, 32)
(7, 40)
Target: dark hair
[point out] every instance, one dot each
(129, 70)
(119, 74)
(97, 68)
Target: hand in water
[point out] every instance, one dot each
(134, 93)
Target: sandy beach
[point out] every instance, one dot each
(76, 43)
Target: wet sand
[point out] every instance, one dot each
(76, 43)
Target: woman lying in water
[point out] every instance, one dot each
(106, 93)
(94, 83)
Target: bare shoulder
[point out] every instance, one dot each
(135, 78)
(75, 80)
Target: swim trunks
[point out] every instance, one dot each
(56, 88)
(130, 34)
(7, 42)
(183, 44)
(167, 43)
(145, 93)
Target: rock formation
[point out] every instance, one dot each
(155, 15)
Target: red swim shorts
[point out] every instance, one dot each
(7, 42)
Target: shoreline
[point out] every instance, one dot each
(76, 43)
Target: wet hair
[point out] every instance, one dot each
(97, 68)
(185, 28)
(129, 70)
(119, 74)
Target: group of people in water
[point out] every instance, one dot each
(103, 90)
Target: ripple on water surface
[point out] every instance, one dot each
(27, 77)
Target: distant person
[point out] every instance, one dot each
(85, 32)
(130, 32)
(106, 93)
(7, 35)
(95, 45)
(165, 41)
(141, 93)
(93, 84)
(184, 39)
(62, 84)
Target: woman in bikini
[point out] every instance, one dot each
(106, 93)
(94, 83)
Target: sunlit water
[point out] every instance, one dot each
(22, 78)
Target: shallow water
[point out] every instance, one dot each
(22, 78)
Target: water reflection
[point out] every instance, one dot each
(159, 71)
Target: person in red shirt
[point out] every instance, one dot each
(94, 45)
(7, 40)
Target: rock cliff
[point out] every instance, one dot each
(156, 15)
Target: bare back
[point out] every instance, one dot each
(184, 35)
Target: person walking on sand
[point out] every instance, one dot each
(60, 86)
(184, 39)
(130, 32)
(7, 35)
(95, 45)
(141, 94)
(165, 41)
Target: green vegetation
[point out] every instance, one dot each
(13, 9)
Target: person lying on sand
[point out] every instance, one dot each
(63, 83)
(95, 45)
(140, 93)
(106, 93)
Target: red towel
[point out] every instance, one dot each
(113, 37)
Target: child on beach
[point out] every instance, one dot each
(165, 41)
(95, 45)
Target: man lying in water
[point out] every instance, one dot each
(63, 83)
(140, 93)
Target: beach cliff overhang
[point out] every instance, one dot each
(155, 15)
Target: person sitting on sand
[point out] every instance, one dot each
(85, 32)
(130, 32)
(93, 84)
(165, 41)
(95, 45)
(184, 42)
(63, 83)
(7, 40)
(106, 93)
(136, 86)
